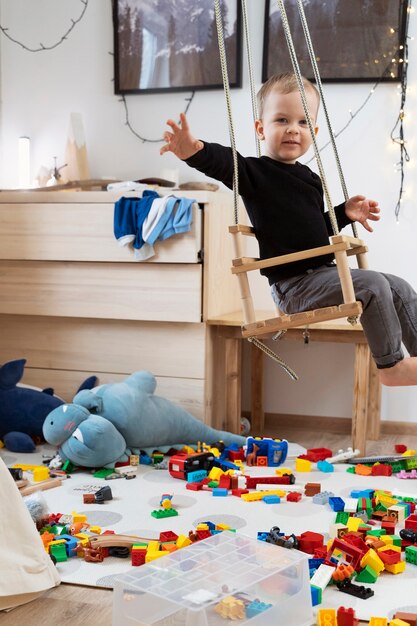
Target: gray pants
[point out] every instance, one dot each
(389, 304)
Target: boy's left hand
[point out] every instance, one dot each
(361, 209)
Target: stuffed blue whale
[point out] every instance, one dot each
(104, 425)
(23, 408)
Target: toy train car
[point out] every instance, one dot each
(180, 465)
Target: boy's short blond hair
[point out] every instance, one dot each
(284, 83)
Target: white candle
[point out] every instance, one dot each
(24, 162)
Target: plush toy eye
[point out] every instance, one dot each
(77, 434)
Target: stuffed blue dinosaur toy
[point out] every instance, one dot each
(106, 424)
(23, 409)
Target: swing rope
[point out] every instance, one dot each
(225, 76)
(297, 72)
(319, 85)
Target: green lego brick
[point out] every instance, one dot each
(342, 517)
(102, 473)
(367, 575)
(68, 467)
(411, 554)
(59, 552)
(162, 513)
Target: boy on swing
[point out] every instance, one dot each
(284, 201)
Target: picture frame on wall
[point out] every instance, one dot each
(171, 45)
(353, 40)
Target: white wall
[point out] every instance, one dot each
(40, 90)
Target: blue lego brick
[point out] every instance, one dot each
(362, 493)
(255, 608)
(336, 504)
(196, 476)
(325, 466)
(219, 492)
(316, 595)
(272, 499)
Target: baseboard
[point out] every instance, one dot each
(337, 425)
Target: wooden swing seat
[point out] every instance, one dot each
(341, 246)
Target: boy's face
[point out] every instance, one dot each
(284, 127)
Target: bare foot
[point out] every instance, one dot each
(402, 374)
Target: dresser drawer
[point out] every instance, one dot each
(144, 291)
(52, 231)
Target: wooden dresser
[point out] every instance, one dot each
(74, 303)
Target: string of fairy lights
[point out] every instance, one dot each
(397, 134)
(5, 31)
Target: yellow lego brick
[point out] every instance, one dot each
(252, 497)
(215, 473)
(95, 529)
(387, 539)
(302, 465)
(153, 546)
(395, 568)
(154, 554)
(280, 471)
(82, 536)
(25, 466)
(398, 622)
(56, 542)
(372, 559)
(326, 617)
(202, 526)
(40, 473)
(78, 517)
(222, 527)
(378, 621)
(387, 501)
(410, 453)
(353, 523)
(183, 541)
(389, 546)
(188, 450)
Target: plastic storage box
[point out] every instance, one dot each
(227, 578)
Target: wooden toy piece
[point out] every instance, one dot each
(47, 484)
(104, 541)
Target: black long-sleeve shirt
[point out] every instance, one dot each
(284, 203)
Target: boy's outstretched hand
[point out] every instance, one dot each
(180, 141)
(361, 209)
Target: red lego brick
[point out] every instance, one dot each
(411, 522)
(346, 617)
(224, 482)
(238, 492)
(294, 496)
(352, 554)
(262, 461)
(194, 486)
(389, 556)
(168, 535)
(236, 455)
(203, 534)
(317, 454)
(400, 448)
(388, 526)
(310, 542)
(138, 557)
(380, 469)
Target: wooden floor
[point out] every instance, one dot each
(71, 605)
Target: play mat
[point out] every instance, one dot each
(129, 512)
